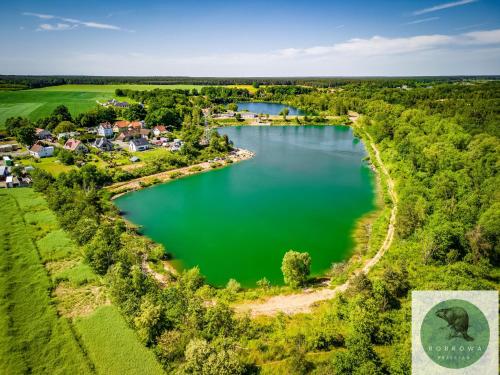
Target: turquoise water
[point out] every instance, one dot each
(304, 190)
(268, 108)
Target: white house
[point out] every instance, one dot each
(39, 150)
(159, 130)
(105, 129)
(138, 144)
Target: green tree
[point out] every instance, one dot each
(26, 135)
(61, 112)
(12, 124)
(296, 268)
(163, 116)
(284, 112)
(232, 107)
(134, 112)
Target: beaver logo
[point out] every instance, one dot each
(458, 321)
(466, 334)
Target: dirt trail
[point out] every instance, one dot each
(302, 302)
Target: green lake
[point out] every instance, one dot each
(304, 190)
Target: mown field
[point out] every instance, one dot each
(111, 88)
(38, 103)
(55, 316)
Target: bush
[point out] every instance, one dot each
(296, 268)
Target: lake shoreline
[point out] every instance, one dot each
(121, 188)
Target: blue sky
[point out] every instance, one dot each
(250, 38)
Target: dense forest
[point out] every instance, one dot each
(439, 140)
(42, 81)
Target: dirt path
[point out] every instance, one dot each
(302, 302)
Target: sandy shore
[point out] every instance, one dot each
(121, 188)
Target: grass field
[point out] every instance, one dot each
(37, 328)
(35, 104)
(113, 346)
(110, 89)
(33, 339)
(38, 103)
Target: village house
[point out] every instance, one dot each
(103, 144)
(145, 133)
(75, 145)
(115, 103)
(42, 134)
(3, 172)
(67, 135)
(121, 126)
(136, 125)
(248, 115)
(128, 135)
(159, 130)
(138, 144)
(39, 150)
(105, 129)
(176, 145)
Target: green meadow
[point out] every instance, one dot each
(50, 320)
(38, 103)
(103, 333)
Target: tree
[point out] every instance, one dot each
(296, 268)
(148, 322)
(285, 112)
(26, 135)
(12, 124)
(263, 283)
(66, 157)
(61, 112)
(65, 127)
(216, 358)
(134, 112)
(255, 85)
(232, 107)
(163, 116)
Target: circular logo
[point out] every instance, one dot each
(455, 333)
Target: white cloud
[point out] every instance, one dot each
(55, 27)
(423, 20)
(443, 6)
(74, 23)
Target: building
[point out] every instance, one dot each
(105, 129)
(75, 145)
(138, 144)
(7, 161)
(145, 133)
(3, 172)
(8, 147)
(136, 125)
(42, 134)
(103, 144)
(159, 130)
(11, 181)
(128, 135)
(121, 126)
(39, 150)
(115, 103)
(67, 135)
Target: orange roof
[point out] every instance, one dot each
(122, 123)
(161, 128)
(72, 144)
(136, 124)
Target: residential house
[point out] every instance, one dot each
(39, 150)
(159, 130)
(3, 172)
(105, 129)
(128, 135)
(138, 144)
(136, 125)
(103, 144)
(115, 103)
(75, 145)
(42, 134)
(11, 181)
(121, 126)
(145, 133)
(67, 135)
(248, 115)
